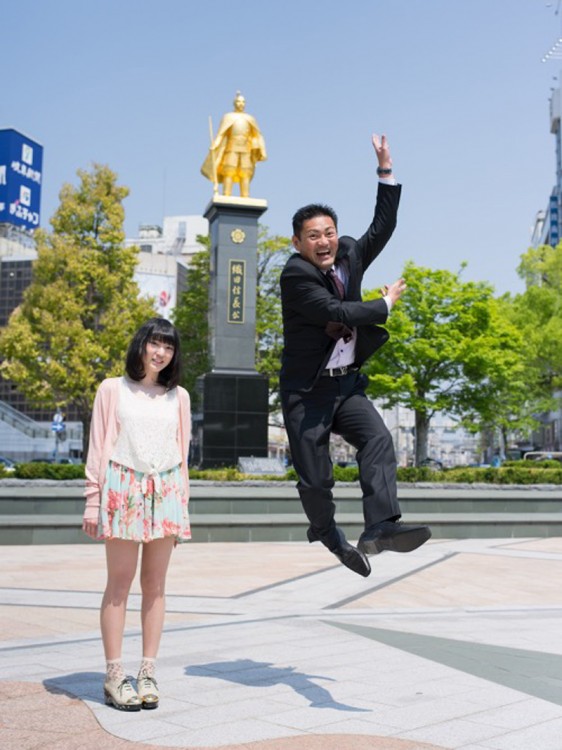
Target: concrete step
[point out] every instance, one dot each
(274, 498)
(249, 527)
(46, 512)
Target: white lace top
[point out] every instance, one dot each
(148, 429)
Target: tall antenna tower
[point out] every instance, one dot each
(555, 52)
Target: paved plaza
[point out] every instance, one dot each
(272, 646)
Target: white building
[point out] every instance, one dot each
(162, 249)
(448, 443)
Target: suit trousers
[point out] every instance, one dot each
(339, 405)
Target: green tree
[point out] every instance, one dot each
(537, 314)
(538, 311)
(507, 398)
(273, 252)
(82, 306)
(191, 317)
(450, 349)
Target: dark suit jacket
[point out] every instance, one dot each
(309, 301)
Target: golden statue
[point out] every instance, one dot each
(235, 150)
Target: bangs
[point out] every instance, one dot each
(161, 330)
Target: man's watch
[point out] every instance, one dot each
(383, 172)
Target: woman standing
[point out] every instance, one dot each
(137, 492)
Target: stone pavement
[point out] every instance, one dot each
(272, 646)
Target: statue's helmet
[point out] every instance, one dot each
(239, 101)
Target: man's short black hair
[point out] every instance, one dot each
(310, 212)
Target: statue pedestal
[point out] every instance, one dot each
(234, 418)
(234, 415)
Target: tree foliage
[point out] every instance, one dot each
(451, 349)
(538, 312)
(191, 317)
(273, 252)
(82, 306)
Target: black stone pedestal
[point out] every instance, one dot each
(234, 417)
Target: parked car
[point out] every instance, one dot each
(62, 460)
(432, 463)
(7, 463)
(543, 456)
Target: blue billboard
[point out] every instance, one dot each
(21, 171)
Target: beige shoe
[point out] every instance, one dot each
(147, 688)
(122, 695)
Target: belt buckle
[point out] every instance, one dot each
(344, 369)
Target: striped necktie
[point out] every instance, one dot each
(337, 282)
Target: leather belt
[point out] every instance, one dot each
(334, 372)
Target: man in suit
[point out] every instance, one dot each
(329, 332)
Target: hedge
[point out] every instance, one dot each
(44, 470)
(511, 472)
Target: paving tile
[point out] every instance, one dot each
(231, 734)
(456, 733)
(252, 655)
(544, 735)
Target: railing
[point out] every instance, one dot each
(29, 426)
(543, 455)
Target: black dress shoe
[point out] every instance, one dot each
(349, 555)
(346, 553)
(392, 535)
(353, 559)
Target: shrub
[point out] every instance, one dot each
(507, 475)
(346, 473)
(44, 470)
(512, 472)
(418, 474)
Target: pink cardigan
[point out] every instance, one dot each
(104, 429)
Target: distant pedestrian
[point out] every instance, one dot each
(137, 495)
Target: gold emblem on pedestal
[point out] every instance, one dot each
(238, 236)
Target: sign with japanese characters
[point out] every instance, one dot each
(21, 171)
(236, 281)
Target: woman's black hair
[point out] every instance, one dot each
(155, 329)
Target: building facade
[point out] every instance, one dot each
(165, 253)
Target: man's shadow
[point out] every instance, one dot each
(84, 685)
(264, 674)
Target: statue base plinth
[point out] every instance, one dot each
(233, 419)
(234, 200)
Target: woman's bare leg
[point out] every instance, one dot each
(121, 556)
(154, 566)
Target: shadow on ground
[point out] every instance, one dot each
(265, 674)
(83, 685)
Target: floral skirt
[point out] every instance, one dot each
(141, 507)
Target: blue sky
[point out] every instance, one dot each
(458, 86)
